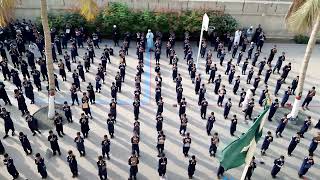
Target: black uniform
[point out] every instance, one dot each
(53, 139)
(25, 144)
(11, 167)
(73, 165)
(133, 163)
(102, 169)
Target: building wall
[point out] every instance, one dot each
(270, 14)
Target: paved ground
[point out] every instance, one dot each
(177, 163)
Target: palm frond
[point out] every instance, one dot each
(6, 11)
(89, 9)
(303, 18)
(296, 4)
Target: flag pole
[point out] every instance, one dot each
(200, 42)
(253, 144)
(204, 26)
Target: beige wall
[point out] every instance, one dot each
(269, 14)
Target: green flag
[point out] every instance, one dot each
(234, 154)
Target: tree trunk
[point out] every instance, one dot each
(48, 54)
(304, 67)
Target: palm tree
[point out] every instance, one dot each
(303, 16)
(6, 11)
(48, 53)
(88, 9)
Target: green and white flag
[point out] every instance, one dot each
(234, 154)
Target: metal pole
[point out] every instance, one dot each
(199, 47)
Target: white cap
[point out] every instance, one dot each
(114, 26)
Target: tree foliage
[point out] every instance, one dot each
(133, 21)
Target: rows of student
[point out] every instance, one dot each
(176, 77)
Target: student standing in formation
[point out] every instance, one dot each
(133, 163)
(32, 123)
(135, 144)
(25, 143)
(67, 112)
(162, 165)
(308, 99)
(110, 122)
(160, 144)
(84, 125)
(73, 165)
(233, 126)
(305, 126)
(306, 165)
(8, 123)
(282, 124)
(42, 169)
(53, 139)
(251, 168)
(295, 140)
(278, 163)
(227, 108)
(203, 109)
(210, 123)
(186, 144)
(214, 144)
(11, 168)
(80, 144)
(102, 168)
(265, 145)
(273, 109)
(192, 166)
(105, 147)
(314, 143)
(59, 124)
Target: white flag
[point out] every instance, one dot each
(205, 22)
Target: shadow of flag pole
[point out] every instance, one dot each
(204, 27)
(253, 143)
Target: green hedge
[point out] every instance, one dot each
(133, 21)
(301, 39)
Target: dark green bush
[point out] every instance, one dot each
(301, 39)
(134, 21)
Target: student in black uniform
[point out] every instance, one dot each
(233, 126)
(136, 106)
(135, 139)
(192, 166)
(267, 140)
(160, 143)
(162, 165)
(58, 122)
(25, 143)
(80, 144)
(102, 168)
(110, 122)
(53, 139)
(210, 122)
(105, 147)
(8, 123)
(42, 169)
(67, 111)
(214, 144)
(277, 164)
(186, 144)
(11, 168)
(133, 163)
(84, 124)
(73, 164)
(203, 109)
(251, 168)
